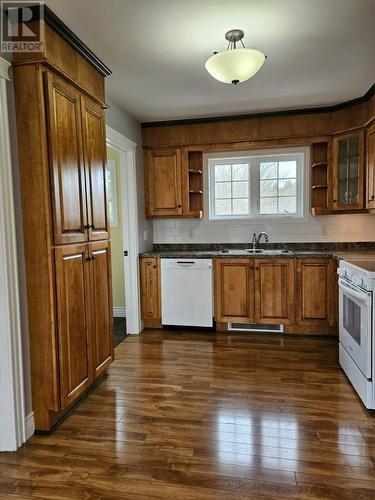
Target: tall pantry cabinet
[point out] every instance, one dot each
(61, 139)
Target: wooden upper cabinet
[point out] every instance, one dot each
(274, 291)
(163, 183)
(315, 289)
(100, 306)
(150, 290)
(370, 167)
(72, 289)
(93, 126)
(234, 290)
(348, 172)
(66, 161)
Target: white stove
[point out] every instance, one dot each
(356, 326)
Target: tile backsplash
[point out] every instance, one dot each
(333, 228)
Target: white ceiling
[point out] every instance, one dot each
(320, 52)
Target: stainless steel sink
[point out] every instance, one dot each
(249, 251)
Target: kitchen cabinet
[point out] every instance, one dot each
(150, 292)
(163, 169)
(72, 290)
(234, 290)
(370, 167)
(274, 291)
(65, 223)
(315, 292)
(348, 172)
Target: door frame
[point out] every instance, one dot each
(129, 208)
(13, 432)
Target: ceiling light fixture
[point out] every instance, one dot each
(235, 65)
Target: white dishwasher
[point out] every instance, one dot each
(186, 292)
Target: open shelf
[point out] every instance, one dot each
(195, 171)
(319, 179)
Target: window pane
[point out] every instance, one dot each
(343, 148)
(268, 188)
(353, 168)
(343, 169)
(353, 147)
(287, 204)
(223, 172)
(223, 207)
(287, 169)
(241, 207)
(268, 205)
(240, 189)
(268, 170)
(240, 172)
(287, 187)
(223, 190)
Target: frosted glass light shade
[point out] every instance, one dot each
(234, 66)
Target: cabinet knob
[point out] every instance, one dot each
(373, 197)
(87, 226)
(88, 259)
(333, 201)
(179, 206)
(92, 226)
(93, 257)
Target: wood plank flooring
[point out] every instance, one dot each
(190, 416)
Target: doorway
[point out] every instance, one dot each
(123, 215)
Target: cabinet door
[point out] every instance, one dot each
(72, 312)
(101, 306)
(370, 167)
(66, 161)
(150, 289)
(163, 183)
(274, 291)
(348, 172)
(95, 167)
(234, 290)
(315, 292)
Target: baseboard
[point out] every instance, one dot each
(29, 425)
(119, 312)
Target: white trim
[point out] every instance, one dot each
(129, 209)
(29, 425)
(12, 409)
(119, 312)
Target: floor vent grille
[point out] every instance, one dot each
(253, 327)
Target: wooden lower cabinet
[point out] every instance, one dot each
(150, 292)
(74, 350)
(101, 306)
(234, 286)
(315, 290)
(274, 291)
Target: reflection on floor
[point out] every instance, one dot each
(190, 415)
(119, 330)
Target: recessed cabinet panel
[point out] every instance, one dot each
(66, 162)
(234, 290)
(101, 306)
(274, 289)
(315, 289)
(73, 336)
(95, 162)
(370, 166)
(164, 183)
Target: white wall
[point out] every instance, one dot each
(327, 228)
(118, 119)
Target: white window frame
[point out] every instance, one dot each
(303, 195)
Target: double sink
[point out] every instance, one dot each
(250, 251)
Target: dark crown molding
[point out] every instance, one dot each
(267, 114)
(67, 34)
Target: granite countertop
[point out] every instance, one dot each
(345, 251)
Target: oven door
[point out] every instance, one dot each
(355, 325)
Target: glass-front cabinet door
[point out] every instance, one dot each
(348, 172)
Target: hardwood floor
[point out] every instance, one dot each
(189, 415)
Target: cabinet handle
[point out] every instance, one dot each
(373, 197)
(93, 257)
(333, 201)
(87, 226)
(92, 226)
(88, 259)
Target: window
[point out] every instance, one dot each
(262, 184)
(111, 182)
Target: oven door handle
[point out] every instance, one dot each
(363, 297)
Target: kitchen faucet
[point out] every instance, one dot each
(256, 239)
